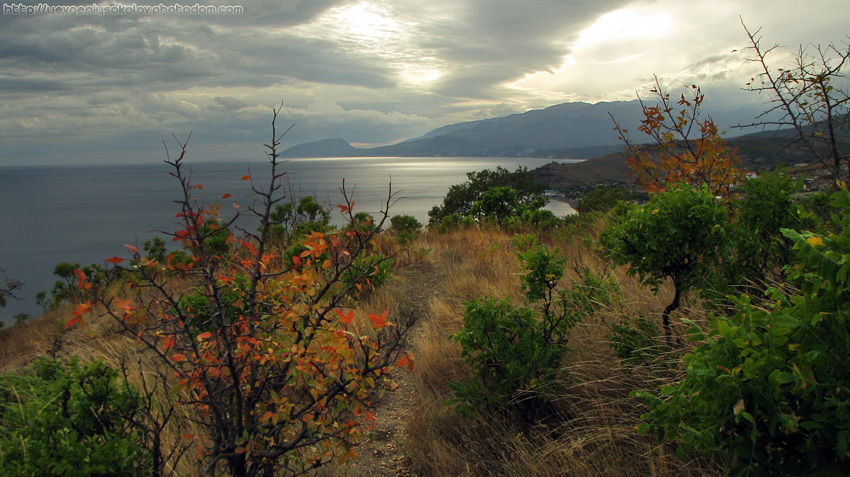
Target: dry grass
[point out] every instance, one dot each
(589, 429)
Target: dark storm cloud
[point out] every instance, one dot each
(366, 71)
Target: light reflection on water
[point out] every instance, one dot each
(52, 214)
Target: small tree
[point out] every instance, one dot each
(678, 235)
(686, 148)
(812, 97)
(603, 199)
(264, 350)
(461, 197)
(406, 228)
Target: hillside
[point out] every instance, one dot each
(757, 151)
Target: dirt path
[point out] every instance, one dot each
(383, 453)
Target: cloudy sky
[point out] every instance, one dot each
(111, 88)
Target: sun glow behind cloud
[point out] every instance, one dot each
(373, 31)
(627, 24)
(616, 38)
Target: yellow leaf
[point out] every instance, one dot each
(814, 241)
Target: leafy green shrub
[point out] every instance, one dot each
(455, 222)
(602, 199)
(515, 351)
(290, 221)
(461, 197)
(406, 228)
(523, 242)
(74, 420)
(679, 235)
(203, 311)
(768, 391)
(760, 250)
(508, 352)
(377, 267)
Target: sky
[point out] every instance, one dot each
(111, 88)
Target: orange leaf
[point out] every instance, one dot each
(246, 177)
(81, 277)
(406, 360)
(380, 321)
(199, 187)
(115, 260)
(345, 318)
(131, 248)
(225, 196)
(177, 357)
(204, 336)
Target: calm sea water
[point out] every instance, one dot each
(52, 214)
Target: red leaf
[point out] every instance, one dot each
(131, 248)
(225, 196)
(199, 187)
(379, 322)
(246, 177)
(345, 318)
(406, 360)
(177, 357)
(115, 260)
(204, 336)
(82, 309)
(81, 277)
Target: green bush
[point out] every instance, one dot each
(74, 420)
(515, 351)
(679, 235)
(760, 251)
(602, 199)
(406, 228)
(377, 268)
(768, 391)
(461, 197)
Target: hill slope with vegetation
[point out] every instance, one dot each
(700, 333)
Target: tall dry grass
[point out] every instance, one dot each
(589, 429)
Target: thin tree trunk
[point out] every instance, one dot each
(665, 317)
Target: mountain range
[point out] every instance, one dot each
(568, 130)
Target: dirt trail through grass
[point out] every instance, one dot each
(382, 453)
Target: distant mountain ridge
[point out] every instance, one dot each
(573, 130)
(575, 126)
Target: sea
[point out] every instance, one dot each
(84, 213)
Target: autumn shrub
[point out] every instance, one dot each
(260, 343)
(767, 392)
(70, 419)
